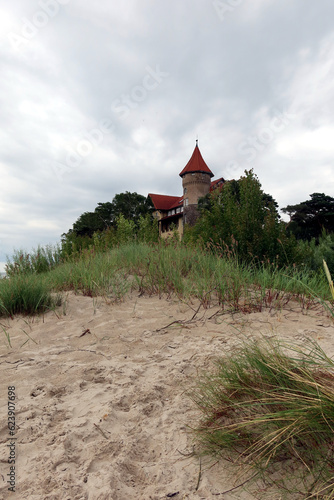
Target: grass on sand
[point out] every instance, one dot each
(270, 407)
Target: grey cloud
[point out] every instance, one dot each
(226, 80)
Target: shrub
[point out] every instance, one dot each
(125, 230)
(317, 250)
(148, 230)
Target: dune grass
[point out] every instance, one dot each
(177, 269)
(165, 270)
(271, 407)
(39, 260)
(26, 295)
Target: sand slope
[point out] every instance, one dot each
(103, 415)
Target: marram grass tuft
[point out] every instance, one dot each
(271, 406)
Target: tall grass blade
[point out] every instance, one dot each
(329, 278)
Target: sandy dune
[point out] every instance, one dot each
(101, 410)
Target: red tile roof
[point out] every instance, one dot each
(164, 202)
(216, 183)
(196, 164)
(178, 203)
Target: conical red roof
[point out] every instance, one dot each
(196, 164)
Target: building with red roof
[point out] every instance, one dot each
(176, 211)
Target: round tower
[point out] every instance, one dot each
(196, 182)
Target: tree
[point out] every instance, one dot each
(87, 224)
(127, 213)
(131, 206)
(206, 202)
(309, 218)
(105, 213)
(245, 219)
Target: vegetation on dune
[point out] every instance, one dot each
(243, 218)
(173, 269)
(26, 294)
(124, 230)
(238, 254)
(132, 206)
(38, 261)
(239, 218)
(271, 407)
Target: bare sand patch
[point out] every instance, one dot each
(101, 410)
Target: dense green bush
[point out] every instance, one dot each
(317, 250)
(244, 220)
(148, 230)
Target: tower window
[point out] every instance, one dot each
(185, 191)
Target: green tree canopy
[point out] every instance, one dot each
(87, 224)
(244, 218)
(268, 202)
(129, 205)
(309, 218)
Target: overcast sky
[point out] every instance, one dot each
(98, 98)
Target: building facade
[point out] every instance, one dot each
(173, 212)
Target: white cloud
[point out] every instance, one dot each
(303, 143)
(44, 224)
(311, 91)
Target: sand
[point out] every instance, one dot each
(102, 410)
